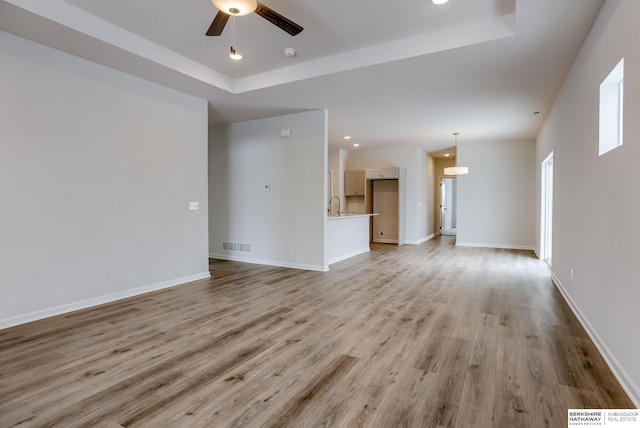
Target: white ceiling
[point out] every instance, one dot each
(390, 73)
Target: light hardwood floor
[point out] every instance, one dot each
(417, 336)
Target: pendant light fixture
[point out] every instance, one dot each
(456, 170)
(233, 54)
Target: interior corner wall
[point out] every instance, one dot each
(343, 159)
(596, 204)
(284, 223)
(97, 169)
(496, 200)
(411, 159)
(337, 159)
(333, 165)
(424, 218)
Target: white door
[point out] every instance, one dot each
(448, 206)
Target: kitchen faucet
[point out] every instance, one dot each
(331, 203)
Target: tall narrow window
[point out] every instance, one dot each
(546, 217)
(611, 109)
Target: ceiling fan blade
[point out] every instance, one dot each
(218, 24)
(278, 20)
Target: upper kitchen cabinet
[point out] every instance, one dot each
(354, 183)
(382, 173)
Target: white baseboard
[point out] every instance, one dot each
(420, 241)
(535, 250)
(502, 246)
(95, 301)
(630, 387)
(277, 263)
(349, 255)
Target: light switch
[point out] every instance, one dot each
(285, 132)
(194, 206)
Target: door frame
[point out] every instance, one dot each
(402, 201)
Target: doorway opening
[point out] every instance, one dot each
(546, 214)
(386, 198)
(448, 206)
(385, 204)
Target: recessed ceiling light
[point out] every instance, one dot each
(347, 137)
(446, 155)
(439, 1)
(356, 145)
(290, 52)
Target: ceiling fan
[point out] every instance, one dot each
(227, 8)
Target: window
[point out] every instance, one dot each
(546, 217)
(611, 109)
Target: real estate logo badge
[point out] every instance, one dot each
(627, 418)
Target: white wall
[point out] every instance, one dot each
(413, 159)
(285, 225)
(97, 169)
(596, 226)
(496, 200)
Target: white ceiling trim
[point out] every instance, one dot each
(77, 19)
(497, 28)
(72, 17)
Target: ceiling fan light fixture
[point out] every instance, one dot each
(236, 7)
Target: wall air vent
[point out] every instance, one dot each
(236, 246)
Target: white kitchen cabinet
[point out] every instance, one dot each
(389, 172)
(382, 173)
(354, 183)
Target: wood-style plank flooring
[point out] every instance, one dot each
(416, 336)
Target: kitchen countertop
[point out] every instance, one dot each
(349, 215)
